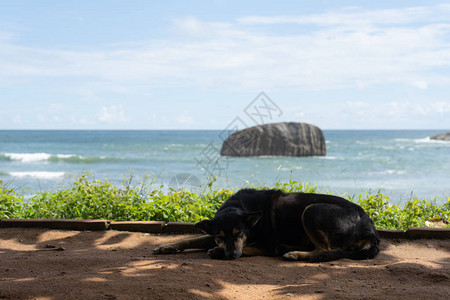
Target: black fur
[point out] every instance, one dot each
(321, 227)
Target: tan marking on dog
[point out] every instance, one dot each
(320, 239)
(221, 244)
(325, 240)
(251, 251)
(235, 231)
(364, 244)
(182, 244)
(220, 240)
(239, 242)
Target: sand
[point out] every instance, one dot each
(52, 264)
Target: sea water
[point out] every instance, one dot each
(401, 164)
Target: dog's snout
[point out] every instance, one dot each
(233, 254)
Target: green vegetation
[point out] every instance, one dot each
(87, 198)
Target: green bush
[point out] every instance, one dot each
(11, 204)
(413, 213)
(87, 198)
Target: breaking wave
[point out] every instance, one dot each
(37, 174)
(55, 158)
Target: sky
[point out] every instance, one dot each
(200, 64)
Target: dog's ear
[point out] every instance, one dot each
(253, 218)
(204, 226)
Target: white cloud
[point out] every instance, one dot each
(112, 114)
(353, 16)
(366, 114)
(42, 118)
(348, 48)
(185, 118)
(17, 119)
(421, 85)
(81, 121)
(395, 111)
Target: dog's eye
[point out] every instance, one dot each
(239, 234)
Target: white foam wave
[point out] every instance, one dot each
(426, 140)
(28, 157)
(291, 168)
(388, 172)
(37, 174)
(66, 156)
(431, 141)
(35, 157)
(388, 147)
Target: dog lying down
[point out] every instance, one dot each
(297, 226)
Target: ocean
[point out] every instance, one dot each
(400, 163)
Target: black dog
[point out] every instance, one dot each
(297, 226)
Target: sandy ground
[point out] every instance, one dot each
(52, 264)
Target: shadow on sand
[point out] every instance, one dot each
(120, 265)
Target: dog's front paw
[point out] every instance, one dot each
(216, 253)
(165, 249)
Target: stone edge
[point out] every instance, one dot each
(186, 227)
(55, 224)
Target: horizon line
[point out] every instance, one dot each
(209, 129)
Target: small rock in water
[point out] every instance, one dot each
(441, 137)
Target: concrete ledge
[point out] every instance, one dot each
(391, 234)
(80, 224)
(137, 226)
(180, 227)
(186, 227)
(428, 233)
(56, 224)
(25, 223)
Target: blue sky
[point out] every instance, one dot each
(198, 64)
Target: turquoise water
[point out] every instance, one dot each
(400, 163)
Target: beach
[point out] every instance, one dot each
(54, 264)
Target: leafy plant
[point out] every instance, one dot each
(11, 204)
(87, 198)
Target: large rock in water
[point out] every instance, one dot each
(441, 137)
(284, 139)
